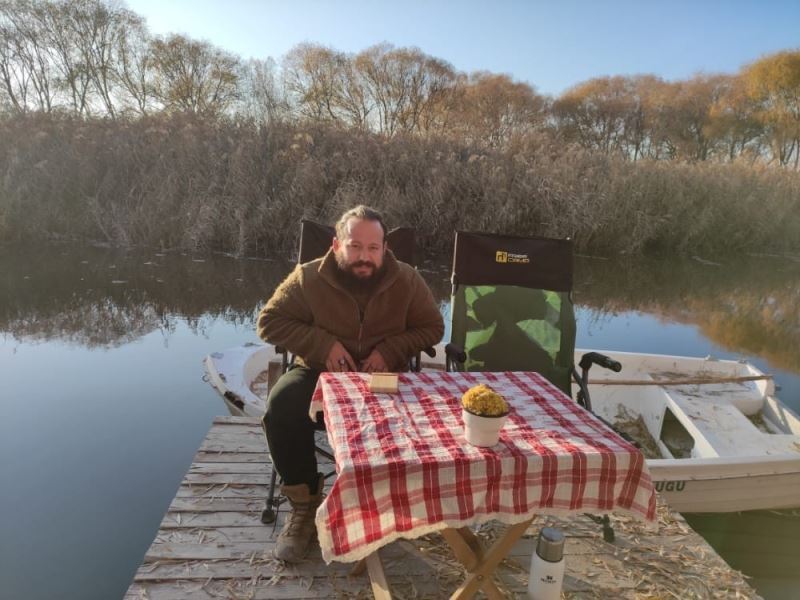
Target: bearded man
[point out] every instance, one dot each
(356, 309)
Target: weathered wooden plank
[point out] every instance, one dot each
(216, 505)
(211, 551)
(174, 520)
(221, 561)
(247, 438)
(204, 570)
(229, 457)
(222, 490)
(253, 589)
(231, 420)
(219, 443)
(225, 535)
(215, 446)
(261, 581)
(230, 432)
(263, 468)
(200, 478)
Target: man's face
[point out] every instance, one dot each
(360, 253)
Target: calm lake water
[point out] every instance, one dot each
(102, 405)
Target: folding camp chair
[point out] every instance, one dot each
(315, 241)
(512, 311)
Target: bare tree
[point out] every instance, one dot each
(194, 76)
(61, 38)
(98, 28)
(13, 74)
(407, 88)
(28, 72)
(134, 68)
(261, 95)
(313, 77)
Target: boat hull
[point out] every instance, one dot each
(727, 485)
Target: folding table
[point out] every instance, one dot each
(404, 468)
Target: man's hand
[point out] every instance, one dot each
(339, 359)
(374, 363)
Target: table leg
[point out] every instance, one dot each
(467, 554)
(359, 568)
(380, 585)
(472, 540)
(483, 563)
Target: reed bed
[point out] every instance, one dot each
(229, 185)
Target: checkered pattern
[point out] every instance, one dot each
(404, 468)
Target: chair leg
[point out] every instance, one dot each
(269, 514)
(608, 530)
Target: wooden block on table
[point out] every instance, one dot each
(383, 383)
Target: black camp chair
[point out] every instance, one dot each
(512, 311)
(315, 241)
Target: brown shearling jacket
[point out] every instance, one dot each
(311, 309)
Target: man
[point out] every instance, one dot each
(355, 309)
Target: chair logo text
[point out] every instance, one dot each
(502, 256)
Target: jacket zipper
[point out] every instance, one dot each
(361, 318)
(360, 324)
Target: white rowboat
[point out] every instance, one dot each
(725, 442)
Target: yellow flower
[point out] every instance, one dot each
(483, 400)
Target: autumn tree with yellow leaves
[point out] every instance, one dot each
(773, 83)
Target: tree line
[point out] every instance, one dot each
(97, 59)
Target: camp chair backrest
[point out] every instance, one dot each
(315, 241)
(511, 308)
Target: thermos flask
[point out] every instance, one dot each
(547, 566)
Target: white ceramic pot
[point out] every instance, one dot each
(482, 431)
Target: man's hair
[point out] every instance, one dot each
(359, 212)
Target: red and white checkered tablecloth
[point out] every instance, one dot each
(405, 469)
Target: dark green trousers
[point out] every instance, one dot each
(289, 429)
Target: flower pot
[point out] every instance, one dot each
(482, 431)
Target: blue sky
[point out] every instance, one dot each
(551, 45)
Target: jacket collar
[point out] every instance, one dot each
(327, 270)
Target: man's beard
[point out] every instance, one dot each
(355, 282)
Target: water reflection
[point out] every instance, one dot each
(104, 298)
(749, 305)
(96, 297)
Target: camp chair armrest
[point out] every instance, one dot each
(595, 358)
(455, 353)
(586, 362)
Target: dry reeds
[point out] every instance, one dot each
(184, 182)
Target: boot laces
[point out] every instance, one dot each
(300, 517)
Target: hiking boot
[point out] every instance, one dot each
(299, 528)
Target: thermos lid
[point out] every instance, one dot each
(551, 544)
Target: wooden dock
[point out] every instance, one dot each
(211, 544)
